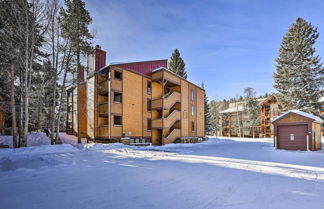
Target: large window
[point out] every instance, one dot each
(192, 95)
(192, 109)
(117, 120)
(149, 105)
(118, 75)
(149, 124)
(149, 87)
(117, 97)
(192, 126)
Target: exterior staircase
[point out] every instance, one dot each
(169, 101)
(168, 121)
(173, 135)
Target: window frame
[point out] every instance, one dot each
(121, 75)
(149, 101)
(192, 95)
(149, 124)
(121, 97)
(192, 109)
(193, 126)
(121, 120)
(149, 89)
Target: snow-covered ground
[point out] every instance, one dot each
(34, 139)
(218, 173)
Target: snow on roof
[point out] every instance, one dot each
(233, 109)
(305, 114)
(321, 99)
(160, 68)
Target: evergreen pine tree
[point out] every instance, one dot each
(208, 122)
(299, 73)
(177, 64)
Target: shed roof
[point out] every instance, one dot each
(304, 114)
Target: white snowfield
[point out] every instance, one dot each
(215, 174)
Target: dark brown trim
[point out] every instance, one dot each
(143, 107)
(122, 104)
(162, 116)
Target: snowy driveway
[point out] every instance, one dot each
(215, 174)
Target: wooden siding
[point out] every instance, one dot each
(184, 108)
(200, 112)
(292, 118)
(146, 114)
(316, 135)
(116, 108)
(132, 104)
(171, 78)
(83, 109)
(157, 75)
(156, 90)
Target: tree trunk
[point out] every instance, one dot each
(78, 77)
(60, 107)
(21, 113)
(13, 108)
(53, 111)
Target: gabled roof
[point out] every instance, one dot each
(268, 98)
(304, 114)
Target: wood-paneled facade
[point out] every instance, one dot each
(147, 107)
(141, 101)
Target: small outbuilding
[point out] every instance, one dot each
(297, 130)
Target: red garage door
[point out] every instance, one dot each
(292, 137)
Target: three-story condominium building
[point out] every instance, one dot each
(137, 100)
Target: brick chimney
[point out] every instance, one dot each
(100, 58)
(96, 60)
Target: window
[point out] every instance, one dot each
(149, 87)
(192, 109)
(192, 126)
(118, 75)
(192, 95)
(149, 124)
(117, 120)
(149, 105)
(117, 97)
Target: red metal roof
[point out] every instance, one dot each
(145, 67)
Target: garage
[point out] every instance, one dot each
(297, 130)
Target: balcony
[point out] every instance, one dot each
(103, 87)
(103, 109)
(103, 131)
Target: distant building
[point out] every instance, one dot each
(232, 119)
(270, 109)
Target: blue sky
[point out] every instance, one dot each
(228, 44)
